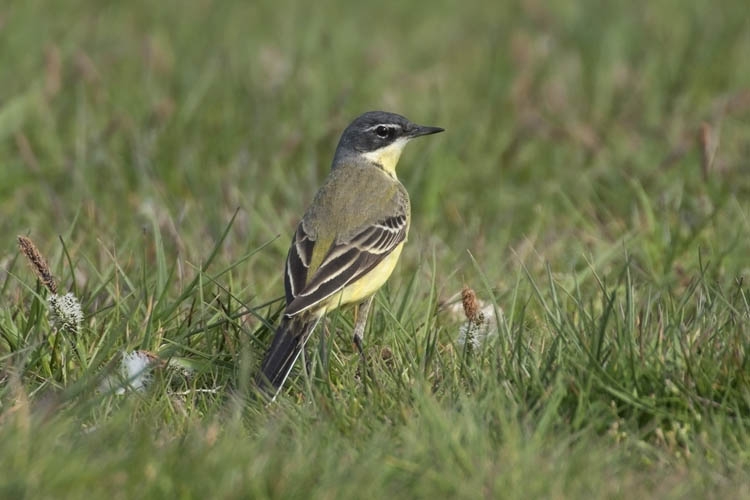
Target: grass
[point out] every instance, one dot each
(592, 184)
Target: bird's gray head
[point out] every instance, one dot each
(378, 137)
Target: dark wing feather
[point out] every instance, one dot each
(348, 261)
(297, 263)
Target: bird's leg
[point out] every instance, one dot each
(360, 320)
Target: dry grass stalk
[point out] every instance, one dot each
(38, 263)
(472, 308)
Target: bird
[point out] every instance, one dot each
(348, 241)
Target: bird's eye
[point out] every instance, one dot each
(383, 131)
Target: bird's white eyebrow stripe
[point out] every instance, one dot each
(386, 125)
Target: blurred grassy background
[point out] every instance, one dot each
(186, 113)
(594, 151)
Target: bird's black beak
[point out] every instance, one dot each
(420, 130)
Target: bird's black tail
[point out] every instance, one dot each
(286, 347)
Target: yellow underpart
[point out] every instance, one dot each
(358, 291)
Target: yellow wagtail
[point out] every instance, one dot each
(349, 239)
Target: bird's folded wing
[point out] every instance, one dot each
(297, 263)
(344, 263)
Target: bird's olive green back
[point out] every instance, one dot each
(353, 196)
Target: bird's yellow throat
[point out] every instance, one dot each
(388, 156)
